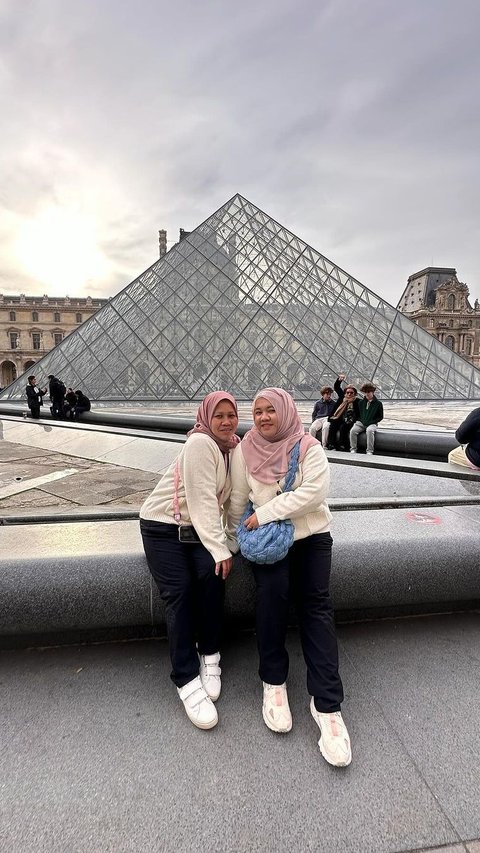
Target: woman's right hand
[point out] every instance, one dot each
(224, 567)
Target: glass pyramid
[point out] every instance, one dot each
(242, 303)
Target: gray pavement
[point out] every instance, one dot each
(98, 754)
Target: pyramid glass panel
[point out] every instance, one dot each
(242, 302)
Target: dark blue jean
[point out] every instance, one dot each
(192, 593)
(305, 572)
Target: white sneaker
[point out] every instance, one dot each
(276, 710)
(352, 450)
(370, 452)
(210, 673)
(199, 707)
(335, 741)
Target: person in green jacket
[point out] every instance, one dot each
(371, 413)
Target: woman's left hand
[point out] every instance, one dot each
(251, 523)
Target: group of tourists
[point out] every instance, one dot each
(217, 493)
(341, 420)
(66, 404)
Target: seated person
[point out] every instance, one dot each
(321, 411)
(70, 402)
(370, 414)
(343, 418)
(82, 405)
(468, 434)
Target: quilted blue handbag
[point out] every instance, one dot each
(270, 542)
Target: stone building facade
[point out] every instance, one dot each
(30, 326)
(437, 301)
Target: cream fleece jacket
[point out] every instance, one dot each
(203, 484)
(306, 505)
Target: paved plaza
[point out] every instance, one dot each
(97, 755)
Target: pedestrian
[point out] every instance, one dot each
(82, 405)
(343, 418)
(259, 466)
(34, 397)
(468, 434)
(322, 410)
(70, 402)
(370, 411)
(190, 556)
(56, 390)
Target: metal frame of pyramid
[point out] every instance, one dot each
(242, 303)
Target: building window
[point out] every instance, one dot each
(14, 340)
(58, 338)
(450, 323)
(78, 318)
(35, 316)
(451, 302)
(56, 317)
(431, 322)
(450, 342)
(13, 317)
(36, 340)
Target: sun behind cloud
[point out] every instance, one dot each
(59, 249)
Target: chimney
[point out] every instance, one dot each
(162, 243)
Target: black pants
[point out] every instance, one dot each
(339, 435)
(34, 411)
(193, 595)
(306, 571)
(77, 411)
(57, 410)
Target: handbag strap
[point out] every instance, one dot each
(292, 467)
(176, 503)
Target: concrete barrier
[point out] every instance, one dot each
(67, 581)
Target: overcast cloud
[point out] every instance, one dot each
(354, 123)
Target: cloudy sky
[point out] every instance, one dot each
(355, 123)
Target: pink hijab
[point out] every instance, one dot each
(205, 415)
(267, 458)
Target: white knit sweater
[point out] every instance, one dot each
(204, 484)
(306, 505)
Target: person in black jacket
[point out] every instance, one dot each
(468, 434)
(344, 417)
(34, 397)
(82, 405)
(56, 390)
(70, 402)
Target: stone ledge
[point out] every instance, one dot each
(88, 577)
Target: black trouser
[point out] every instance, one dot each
(34, 411)
(339, 435)
(77, 411)
(305, 570)
(193, 595)
(57, 409)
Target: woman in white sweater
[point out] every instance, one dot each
(259, 466)
(189, 555)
